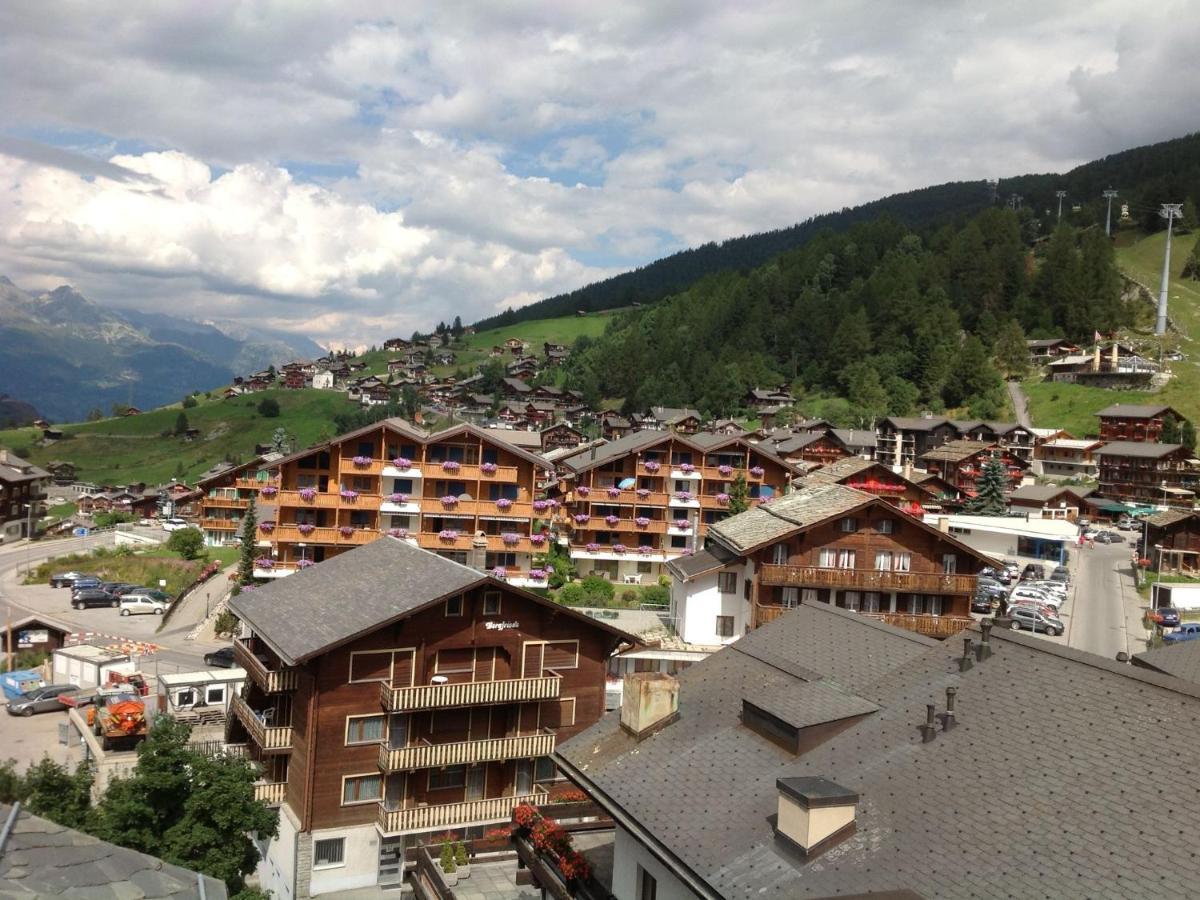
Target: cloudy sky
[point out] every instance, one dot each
(353, 169)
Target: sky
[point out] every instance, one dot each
(353, 171)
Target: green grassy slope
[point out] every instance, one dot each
(1073, 407)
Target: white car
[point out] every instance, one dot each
(140, 604)
(1045, 598)
(174, 524)
(1054, 588)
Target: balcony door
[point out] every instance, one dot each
(398, 731)
(476, 782)
(524, 776)
(393, 791)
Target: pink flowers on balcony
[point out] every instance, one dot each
(541, 505)
(684, 496)
(264, 562)
(451, 465)
(537, 539)
(582, 518)
(449, 500)
(345, 531)
(619, 548)
(645, 549)
(725, 470)
(537, 574)
(308, 494)
(499, 572)
(398, 498)
(447, 534)
(269, 490)
(266, 527)
(488, 468)
(681, 524)
(583, 490)
(398, 533)
(510, 538)
(687, 468)
(611, 520)
(757, 471)
(651, 466)
(304, 563)
(723, 499)
(643, 493)
(614, 492)
(361, 461)
(641, 521)
(306, 528)
(348, 495)
(503, 503)
(592, 548)
(402, 462)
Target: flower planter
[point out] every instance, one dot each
(450, 466)
(451, 878)
(361, 462)
(488, 468)
(304, 563)
(308, 495)
(503, 503)
(401, 462)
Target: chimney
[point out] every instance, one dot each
(3, 455)
(1115, 355)
(966, 662)
(948, 721)
(943, 524)
(984, 650)
(929, 729)
(649, 703)
(1096, 359)
(814, 814)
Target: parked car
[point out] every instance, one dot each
(152, 593)
(139, 604)
(43, 699)
(90, 597)
(1060, 573)
(1128, 523)
(117, 587)
(982, 603)
(997, 573)
(174, 524)
(1108, 537)
(221, 659)
(1013, 570)
(1040, 597)
(1189, 631)
(1035, 620)
(64, 579)
(1165, 617)
(84, 583)
(1055, 588)
(1033, 572)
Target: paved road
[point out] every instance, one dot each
(1019, 403)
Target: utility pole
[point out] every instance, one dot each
(1108, 195)
(1060, 195)
(1169, 211)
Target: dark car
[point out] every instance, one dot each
(64, 579)
(89, 597)
(1000, 575)
(1166, 617)
(982, 603)
(1060, 573)
(220, 659)
(1108, 537)
(87, 582)
(1034, 572)
(43, 699)
(153, 593)
(117, 588)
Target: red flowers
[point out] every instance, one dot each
(525, 815)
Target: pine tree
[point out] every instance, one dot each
(1187, 435)
(739, 495)
(181, 424)
(989, 499)
(248, 550)
(1012, 355)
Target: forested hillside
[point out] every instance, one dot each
(890, 319)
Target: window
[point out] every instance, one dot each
(883, 561)
(544, 769)
(949, 563)
(647, 886)
(491, 603)
(724, 626)
(846, 559)
(329, 852)
(870, 602)
(364, 729)
(644, 568)
(561, 655)
(935, 606)
(449, 777)
(789, 597)
(454, 606)
(809, 595)
(779, 554)
(916, 605)
(361, 789)
(827, 558)
(903, 562)
(215, 694)
(455, 661)
(186, 698)
(853, 600)
(886, 526)
(849, 525)
(727, 582)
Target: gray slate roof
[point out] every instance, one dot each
(41, 859)
(700, 563)
(1147, 449)
(1133, 411)
(772, 521)
(956, 451)
(1181, 660)
(1037, 792)
(1040, 493)
(1167, 517)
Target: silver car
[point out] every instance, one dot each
(1035, 620)
(43, 699)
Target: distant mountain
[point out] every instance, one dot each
(15, 413)
(65, 355)
(1144, 177)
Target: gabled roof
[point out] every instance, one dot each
(630, 443)
(1167, 517)
(1181, 660)
(916, 423)
(956, 451)
(770, 522)
(701, 562)
(329, 604)
(1135, 411)
(1147, 449)
(1042, 493)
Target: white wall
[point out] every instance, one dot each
(697, 603)
(277, 867)
(361, 866)
(628, 854)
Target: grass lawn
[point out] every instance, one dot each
(1055, 404)
(146, 568)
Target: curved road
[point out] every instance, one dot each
(1019, 404)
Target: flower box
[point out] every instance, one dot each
(614, 492)
(643, 493)
(593, 548)
(583, 490)
(582, 518)
(401, 462)
(499, 572)
(684, 496)
(308, 495)
(448, 534)
(541, 505)
(398, 498)
(537, 539)
(264, 562)
(725, 470)
(269, 491)
(510, 537)
(618, 548)
(361, 461)
(537, 574)
(348, 495)
(451, 465)
(345, 531)
(651, 466)
(488, 468)
(304, 563)
(266, 527)
(449, 500)
(503, 503)
(687, 468)
(681, 524)
(398, 532)
(641, 521)
(723, 499)
(645, 549)
(757, 471)
(611, 520)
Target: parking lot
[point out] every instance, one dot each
(28, 739)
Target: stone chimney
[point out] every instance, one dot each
(943, 524)
(814, 814)
(1096, 359)
(649, 703)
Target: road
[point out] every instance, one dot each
(1019, 403)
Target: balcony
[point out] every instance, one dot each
(286, 534)
(931, 626)
(277, 570)
(253, 484)
(867, 579)
(518, 509)
(268, 737)
(467, 472)
(497, 544)
(417, 819)
(710, 501)
(431, 541)
(347, 466)
(220, 524)
(270, 792)
(469, 693)
(322, 500)
(226, 502)
(268, 674)
(428, 756)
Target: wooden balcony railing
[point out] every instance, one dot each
(466, 472)
(431, 541)
(270, 792)
(710, 501)
(272, 680)
(219, 502)
(931, 626)
(322, 500)
(221, 524)
(497, 544)
(347, 467)
(469, 693)
(519, 509)
(268, 737)
(867, 579)
(292, 534)
(426, 756)
(458, 815)
(254, 484)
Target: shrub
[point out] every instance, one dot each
(460, 855)
(226, 622)
(190, 402)
(571, 595)
(269, 408)
(187, 542)
(447, 858)
(656, 595)
(597, 588)
(629, 597)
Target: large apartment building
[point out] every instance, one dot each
(1148, 473)
(393, 694)
(464, 493)
(226, 495)
(1135, 422)
(634, 504)
(22, 496)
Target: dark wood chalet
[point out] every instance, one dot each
(1171, 541)
(878, 479)
(1146, 472)
(1135, 422)
(900, 440)
(393, 694)
(961, 463)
